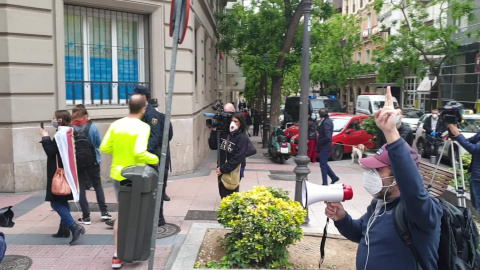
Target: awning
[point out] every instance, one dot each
(425, 85)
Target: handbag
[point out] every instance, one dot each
(250, 149)
(231, 180)
(60, 185)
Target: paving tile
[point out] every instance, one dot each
(71, 263)
(43, 263)
(37, 251)
(82, 251)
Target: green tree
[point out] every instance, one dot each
(261, 35)
(418, 39)
(335, 42)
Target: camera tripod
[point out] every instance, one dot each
(460, 190)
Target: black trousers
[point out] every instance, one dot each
(91, 173)
(256, 129)
(224, 192)
(165, 178)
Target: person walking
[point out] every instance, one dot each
(87, 142)
(59, 203)
(257, 119)
(248, 120)
(312, 137)
(324, 146)
(233, 150)
(156, 121)
(126, 140)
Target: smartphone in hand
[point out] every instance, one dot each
(41, 125)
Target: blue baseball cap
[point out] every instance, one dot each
(139, 89)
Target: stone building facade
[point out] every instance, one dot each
(55, 54)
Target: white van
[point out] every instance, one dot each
(369, 104)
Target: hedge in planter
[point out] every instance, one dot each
(264, 222)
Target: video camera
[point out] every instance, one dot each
(220, 119)
(451, 113)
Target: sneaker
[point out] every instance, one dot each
(110, 222)
(105, 216)
(116, 263)
(85, 221)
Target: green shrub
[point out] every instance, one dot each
(466, 160)
(370, 126)
(264, 222)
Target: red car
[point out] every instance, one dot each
(347, 131)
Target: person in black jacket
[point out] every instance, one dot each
(406, 133)
(234, 154)
(248, 119)
(156, 121)
(312, 137)
(434, 127)
(257, 119)
(324, 146)
(59, 203)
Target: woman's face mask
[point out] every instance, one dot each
(314, 116)
(233, 127)
(373, 183)
(55, 123)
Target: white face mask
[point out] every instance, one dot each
(233, 127)
(372, 182)
(434, 116)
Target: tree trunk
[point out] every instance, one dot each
(259, 96)
(277, 80)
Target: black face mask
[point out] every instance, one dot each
(323, 115)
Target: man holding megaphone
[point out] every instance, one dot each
(392, 178)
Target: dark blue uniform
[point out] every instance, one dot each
(156, 121)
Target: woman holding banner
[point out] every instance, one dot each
(61, 155)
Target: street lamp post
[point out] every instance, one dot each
(431, 77)
(302, 160)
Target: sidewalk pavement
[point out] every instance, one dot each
(35, 221)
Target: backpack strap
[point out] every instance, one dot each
(404, 232)
(87, 128)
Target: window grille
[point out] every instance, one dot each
(106, 55)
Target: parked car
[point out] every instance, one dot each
(469, 127)
(347, 132)
(411, 116)
(369, 104)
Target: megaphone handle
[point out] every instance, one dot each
(322, 244)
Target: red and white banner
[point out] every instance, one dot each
(66, 147)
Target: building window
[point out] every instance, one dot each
(361, 3)
(353, 7)
(359, 57)
(367, 57)
(106, 55)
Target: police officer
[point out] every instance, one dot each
(156, 120)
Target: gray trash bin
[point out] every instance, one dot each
(136, 209)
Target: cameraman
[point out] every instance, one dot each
(224, 134)
(434, 127)
(472, 145)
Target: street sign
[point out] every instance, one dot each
(184, 15)
(477, 63)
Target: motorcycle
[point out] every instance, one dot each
(433, 142)
(279, 148)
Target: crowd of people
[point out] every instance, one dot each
(132, 140)
(392, 176)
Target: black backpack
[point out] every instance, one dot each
(458, 248)
(84, 151)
